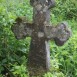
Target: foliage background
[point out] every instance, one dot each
(14, 53)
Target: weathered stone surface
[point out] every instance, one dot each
(49, 3)
(41, 32)
(22, 29)
(60, 33)
(39, 57)
(63, 33)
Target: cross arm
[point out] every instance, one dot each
(21, 29)
(61, 33)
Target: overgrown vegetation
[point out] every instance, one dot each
(14, 53)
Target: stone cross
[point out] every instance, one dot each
(40, 32)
